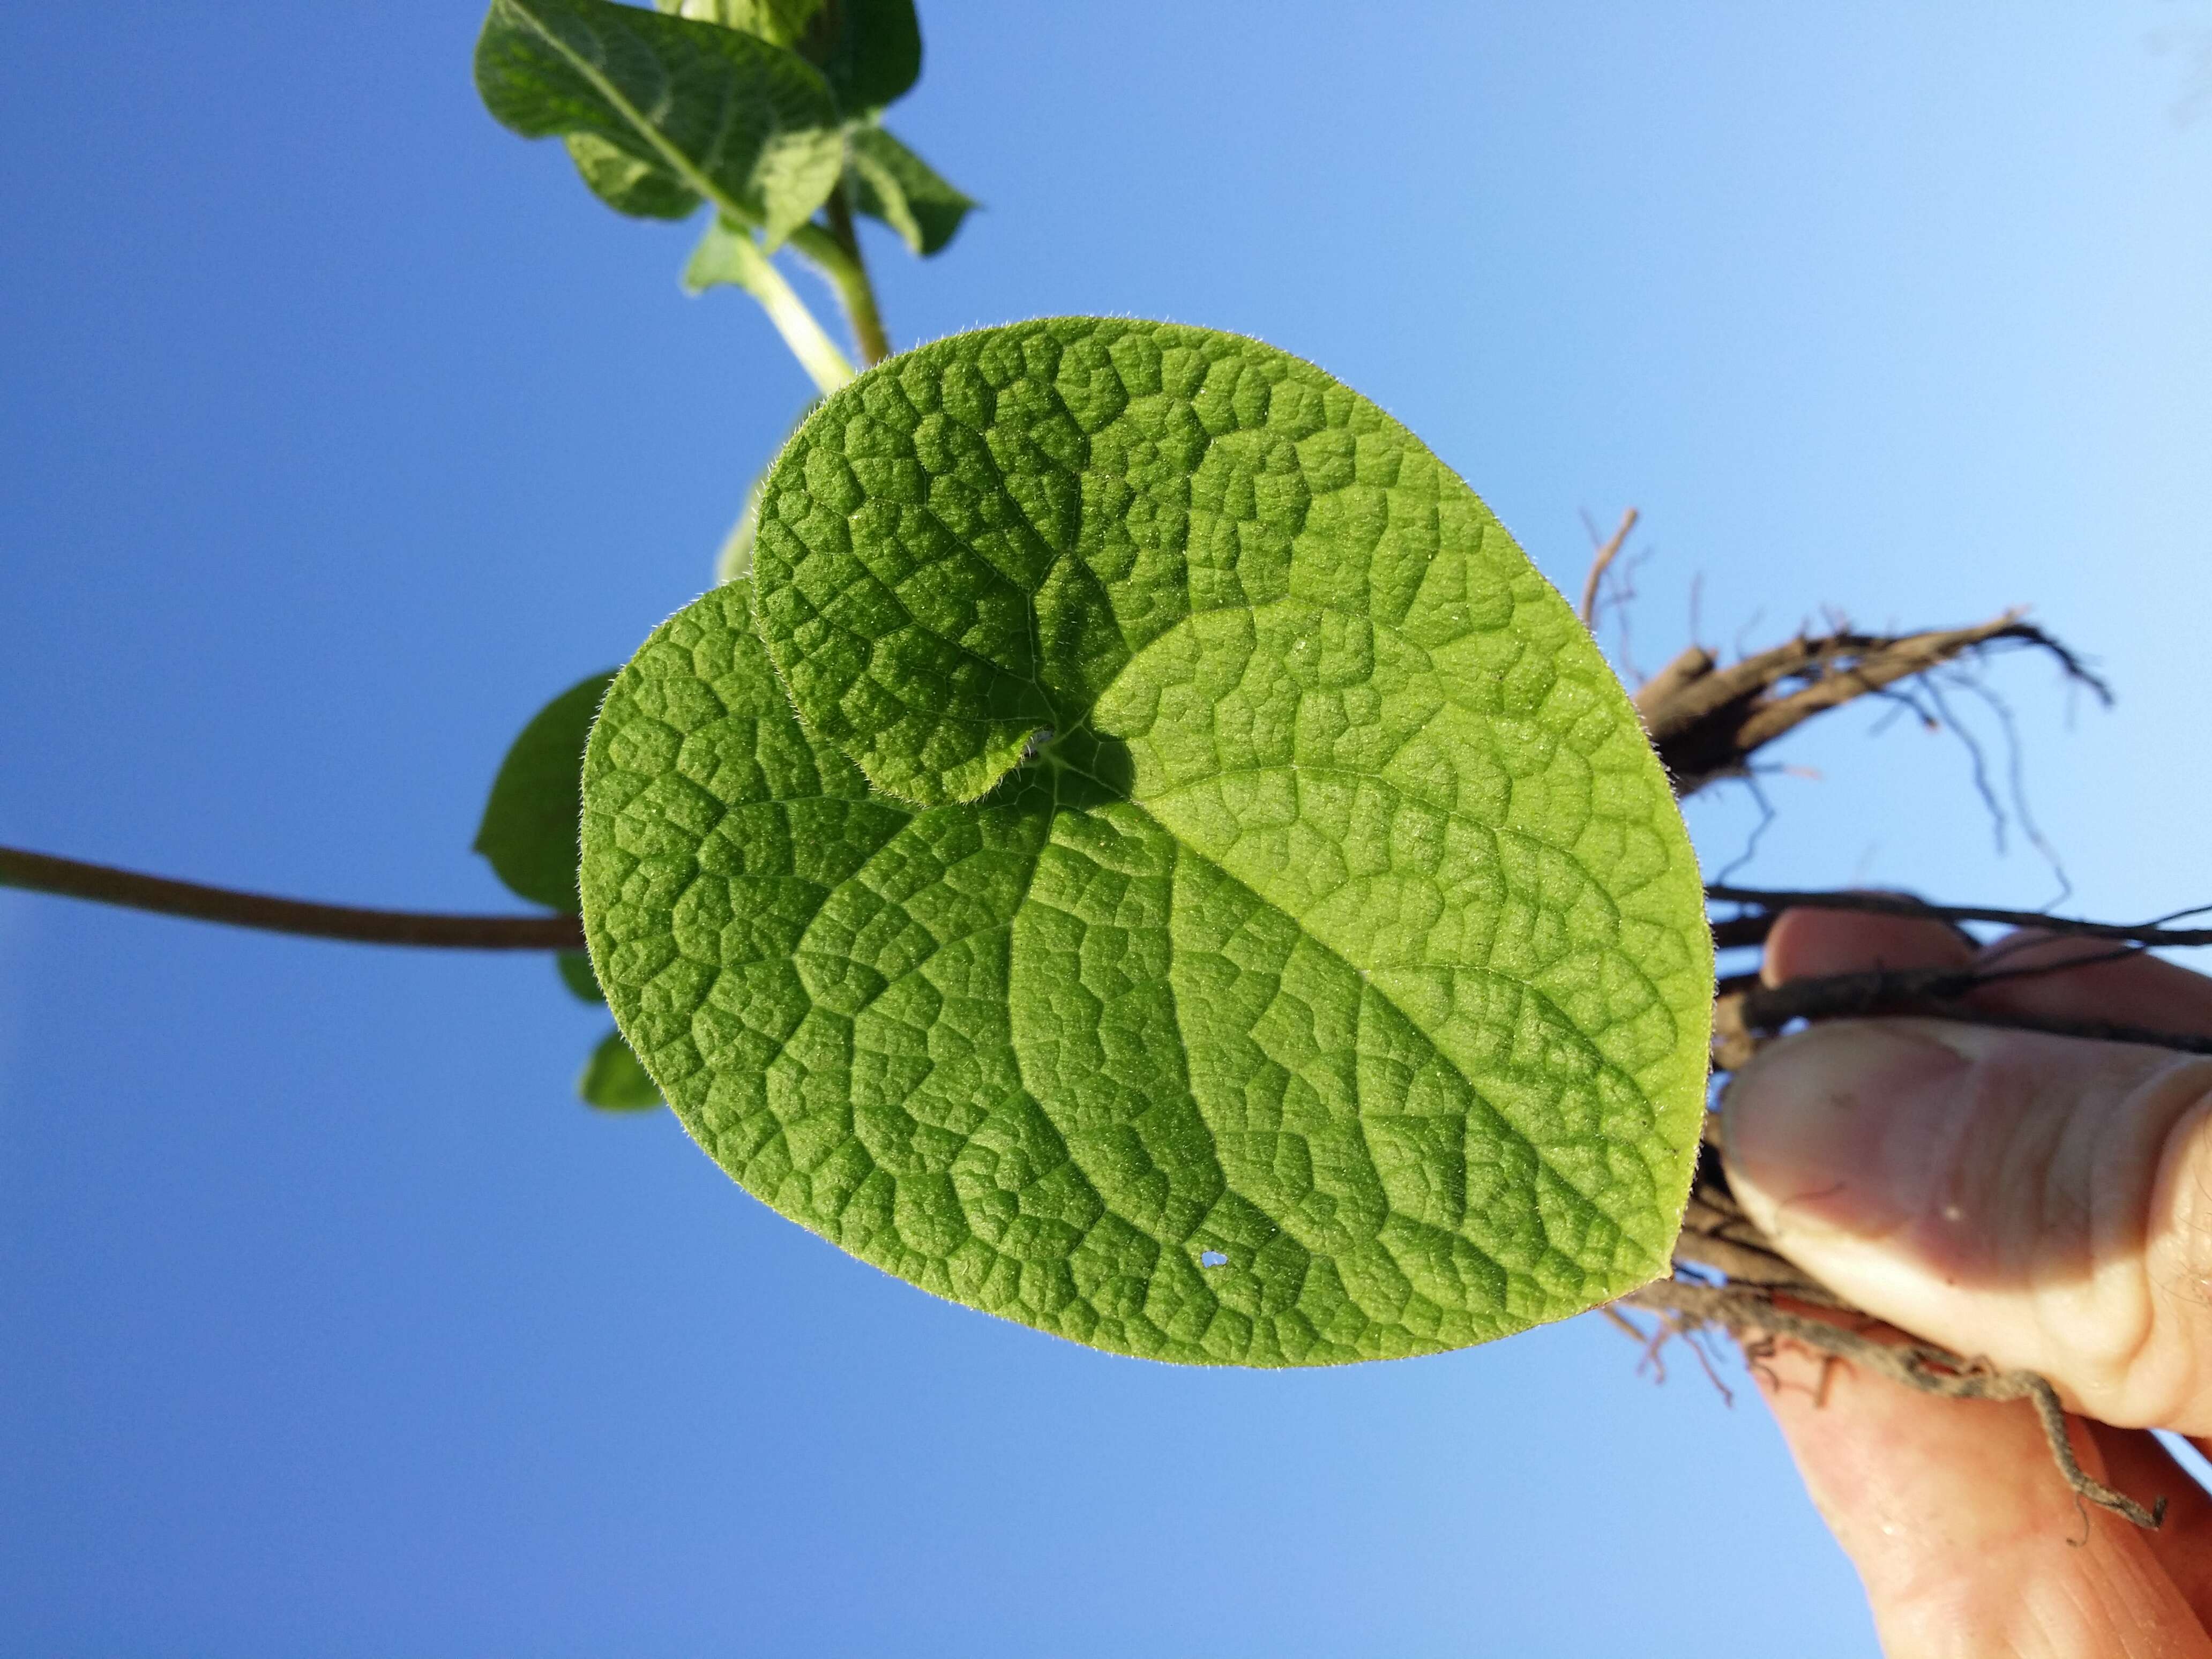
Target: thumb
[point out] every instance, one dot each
(2044, 1201)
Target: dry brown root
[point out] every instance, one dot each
(1728, 1276)
(1708, 721)
(1757, 1321)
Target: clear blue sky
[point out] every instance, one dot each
(338, 428)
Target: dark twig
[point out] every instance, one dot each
(1773, 901)
(1934, 993)
(1707, 720)
(104, 885)
(2017, 782)
(1767, 816)
(1999, 823)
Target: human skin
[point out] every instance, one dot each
(2044, 1201)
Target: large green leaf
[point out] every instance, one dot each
(1335, 986)
(894, 185)
(529, 829)
(721, 114)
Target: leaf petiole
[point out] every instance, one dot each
(727, 253)
(836, 250)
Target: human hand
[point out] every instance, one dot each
(2044, 1201)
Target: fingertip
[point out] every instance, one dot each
(1808, 944)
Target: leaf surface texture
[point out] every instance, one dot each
(1268, 938)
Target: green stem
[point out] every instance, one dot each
(41, 873)
(800, 331)
(808, 342)
(835, 248)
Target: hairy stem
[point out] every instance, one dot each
(817, 352)
(836, 249)
(104, 885)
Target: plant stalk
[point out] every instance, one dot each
(101, 883)
(835, 250)
(810, 342)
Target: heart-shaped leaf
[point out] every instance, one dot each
(749, 126)
(1324, 975)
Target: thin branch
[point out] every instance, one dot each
(1976, 758)
(1776, 900)
(1926, 993)
(1767, 816)
(2016, 772)
(102, 884)
(1606, 556)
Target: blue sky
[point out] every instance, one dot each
(339, 429)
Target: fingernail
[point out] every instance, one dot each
(1843, 1124)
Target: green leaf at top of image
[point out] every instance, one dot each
(641, 189)
(892, 184)
(529, 831)
(1325, 975)
(613, 1081)
(780, 23)
(751, 126)
(870, 53)
(869, 50)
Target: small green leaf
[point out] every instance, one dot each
(627, 184)
(613, 1081)
(725, 254)
(894, 185)
(749, 126)
(529, 828)
(1334, 985)
(576, 968)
